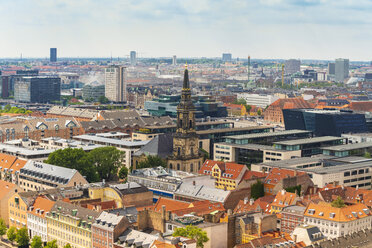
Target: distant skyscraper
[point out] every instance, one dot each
(133, 57)
(341, 69)
(53, 55)
(115, 86)
(331, 68)
(292, 66)
(226, 57)
(174, 60)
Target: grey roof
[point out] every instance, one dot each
(129, 188)
(255, 147)
(203, 192)
(129, 212)
(161, 145)
(67, 209)
(110, 141)
(70, 111)
(309, 140)
(348, 147)
(22, 151)
(140, 239)
(268, 134)
(48, 172)
(290, 163)
(109, 220)
(237, 129)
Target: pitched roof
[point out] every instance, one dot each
(361, 106)
(170, 204)
(200, 208)
(228, 169)
(325, 211)
(284, 199)
(5, 188)
(291, 103)
(261, 203)
(161, 145)
(277, 174)
(253, 174)
(41, 206)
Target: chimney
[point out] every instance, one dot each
(260, 228)
(283, 191)
(245, 200)
(193, 183)
(251, 201)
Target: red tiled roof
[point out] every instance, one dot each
(253, 174)
(170, 205)
(261, 203)
(227, 168)
(205, 207)
(41, 206)
(284, 199)
(5, 187)
(290, 103)
(361, 106)
(277, 174)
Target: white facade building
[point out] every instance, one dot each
(259, 100)
(115, 86)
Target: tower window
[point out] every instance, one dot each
(190, 124)
(181, 123)
(178, 151)
(178, 167)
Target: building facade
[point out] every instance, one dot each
(115, 85)
(53, 55)
(38, 89)
(341, 69)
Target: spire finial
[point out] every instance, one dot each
(186, 65)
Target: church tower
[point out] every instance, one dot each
(186, 155)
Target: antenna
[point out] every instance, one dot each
(249, 67)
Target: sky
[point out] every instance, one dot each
(264, 29)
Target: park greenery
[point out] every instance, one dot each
(96, 165)
(192, 232)
(257, 190)
(243, 102)
(36, 242)
(14, 110)
(11, 233)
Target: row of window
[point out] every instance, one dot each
(356, 172)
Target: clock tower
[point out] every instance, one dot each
(186, 155)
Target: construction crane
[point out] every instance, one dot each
(282, 75)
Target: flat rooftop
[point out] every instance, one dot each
(269, 134)
(255, 147)
(337, 168)
(224, 130)
(291, 163)
(348, 147)
(110, 141)
(309, 140)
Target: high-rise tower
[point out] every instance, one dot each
(186, 156)
(53, 55)
(115, 85)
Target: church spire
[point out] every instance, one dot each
(186, 83)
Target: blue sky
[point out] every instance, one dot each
(308, 29)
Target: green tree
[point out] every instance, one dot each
(257, 190)
(107, 161)
(151, 162)
(51, 244)
(240, 101)
(11, 233)
(67, 246)
(2, 228)
(367, 155)
(338, 203)
(22, 237)
(123, 172)
(248, 108)
(103, 100)
(74, 159)
(7, 108)
(259, 112)
(192, 232)
(294, 189)
(36, 242)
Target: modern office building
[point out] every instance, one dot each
(133, 57)
(259, 100)
(351, 149)
(115, 85)
(323, 169)
(226, 57)
(93, 91)
(325, 122)
(38, 89)
(331, 68)
(174, 60)
(53, 55)
(292, 66)
(341, 69)
(5, 80)
(167, 105)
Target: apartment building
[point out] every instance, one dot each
(7, 190)
(70, 224)
(38, 176)
(336, 222)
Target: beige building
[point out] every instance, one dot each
(115, 86)
(335, 222)
(7, 190)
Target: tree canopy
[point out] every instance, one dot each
(123, 172)
(257, 190)
(36, 242)
(192, 232)
(151, 162)
(22, 237)
(11, 233)
(2, 227)
(51, 244)
(100, 163)
(67, 246)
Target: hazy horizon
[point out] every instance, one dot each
(264, 29)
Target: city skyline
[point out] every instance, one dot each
(266, 29)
